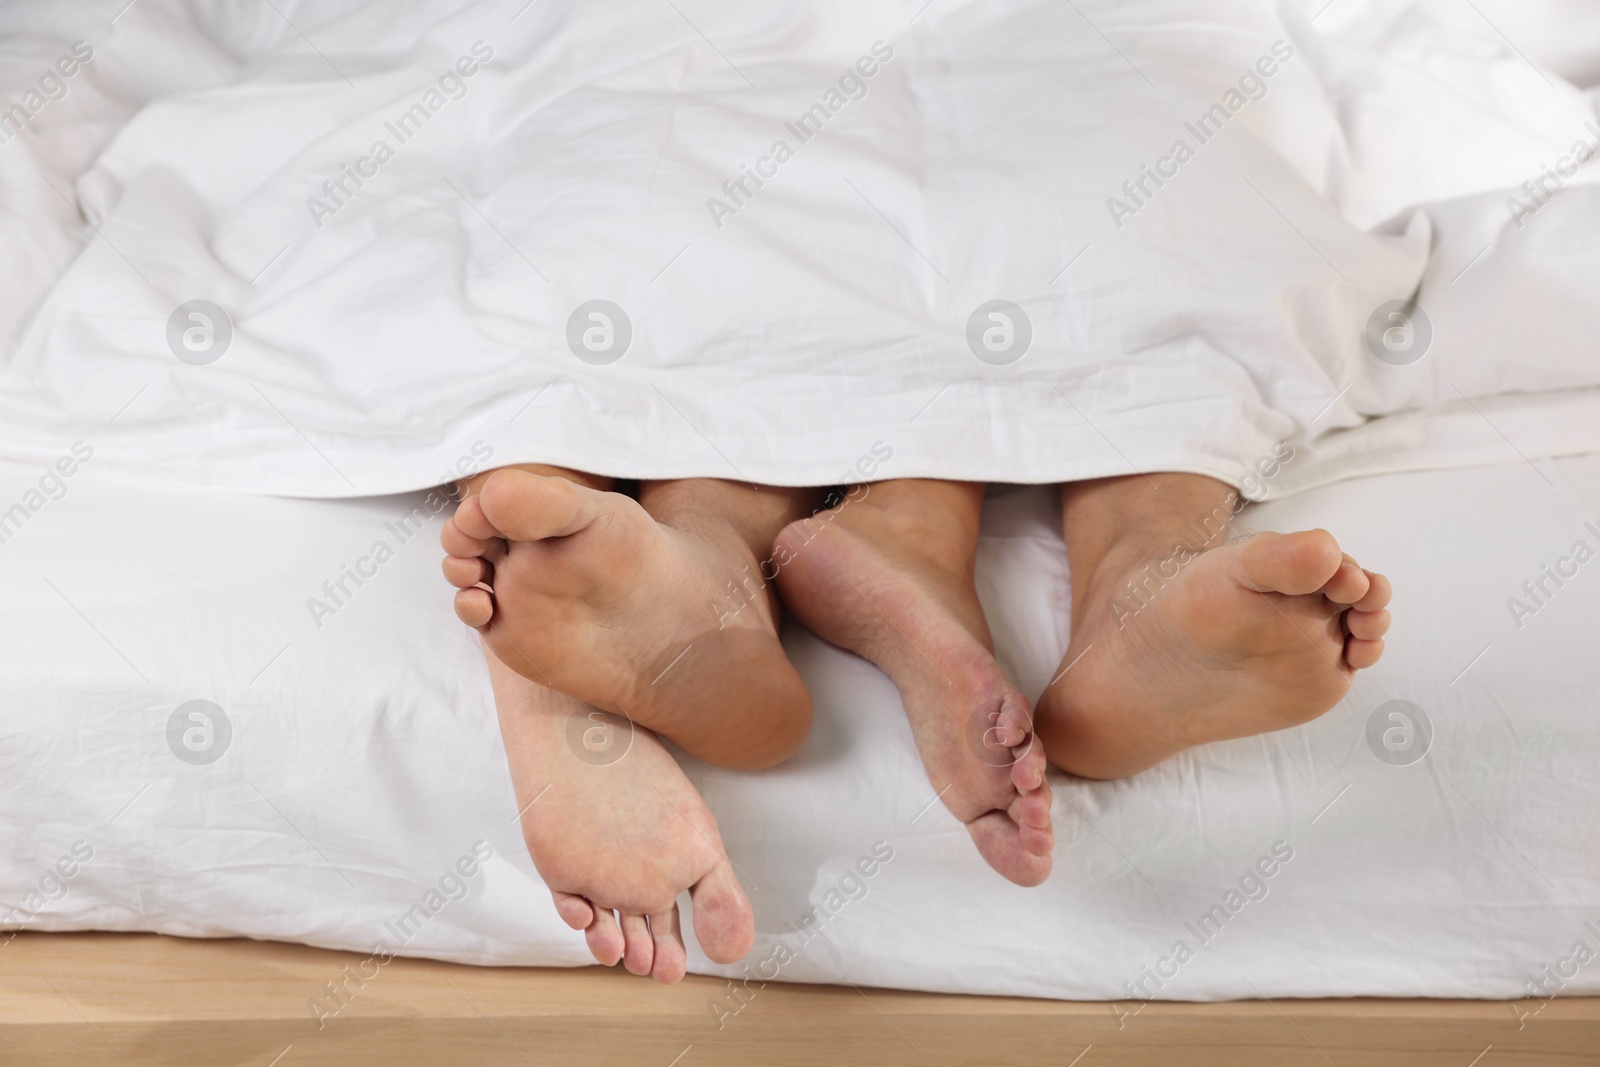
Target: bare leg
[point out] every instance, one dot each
(888, 574)
(1181, 637)
(654, 609)
(616, 840)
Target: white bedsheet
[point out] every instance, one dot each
(381, 334)
(364, 763)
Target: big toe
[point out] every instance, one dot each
(521, 506)
(1012, 724)
(1294, 563)
(724, 923)
(1012, 849)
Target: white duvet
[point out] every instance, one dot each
(337, 249)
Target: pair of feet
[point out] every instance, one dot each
(584, 599)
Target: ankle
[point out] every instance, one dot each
(1150, 513)
(941, 533)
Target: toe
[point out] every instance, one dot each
(1012, 725)
(475, 607)
(1348, 584)
(1027, 773)
(531, 507)
(1366, 625)
(1378, 593)
(456, 542)
(471, 523)
(575, 911)
(639, 949)
(723, 922)
(1031, 812)
(605, 938)
(1037, 842)
(464, 573)
(1294, 564)
(1360, 654)
(671, 960)
(1001, 843)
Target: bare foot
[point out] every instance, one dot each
(1254, 635)
(880, 582)
(664, 624)
(618, 837)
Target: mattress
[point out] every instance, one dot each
(188, 746)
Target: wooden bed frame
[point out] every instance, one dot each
(131, 1000)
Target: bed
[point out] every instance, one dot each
(344, 764)
(246, 751)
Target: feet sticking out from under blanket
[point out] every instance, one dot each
(665, 622)
(888, 574)
(1176, 643)
(617, 841)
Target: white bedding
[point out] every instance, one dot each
(364, 763)
(421, 331)
(379, 335)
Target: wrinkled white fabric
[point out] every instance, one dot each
(383, 332)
